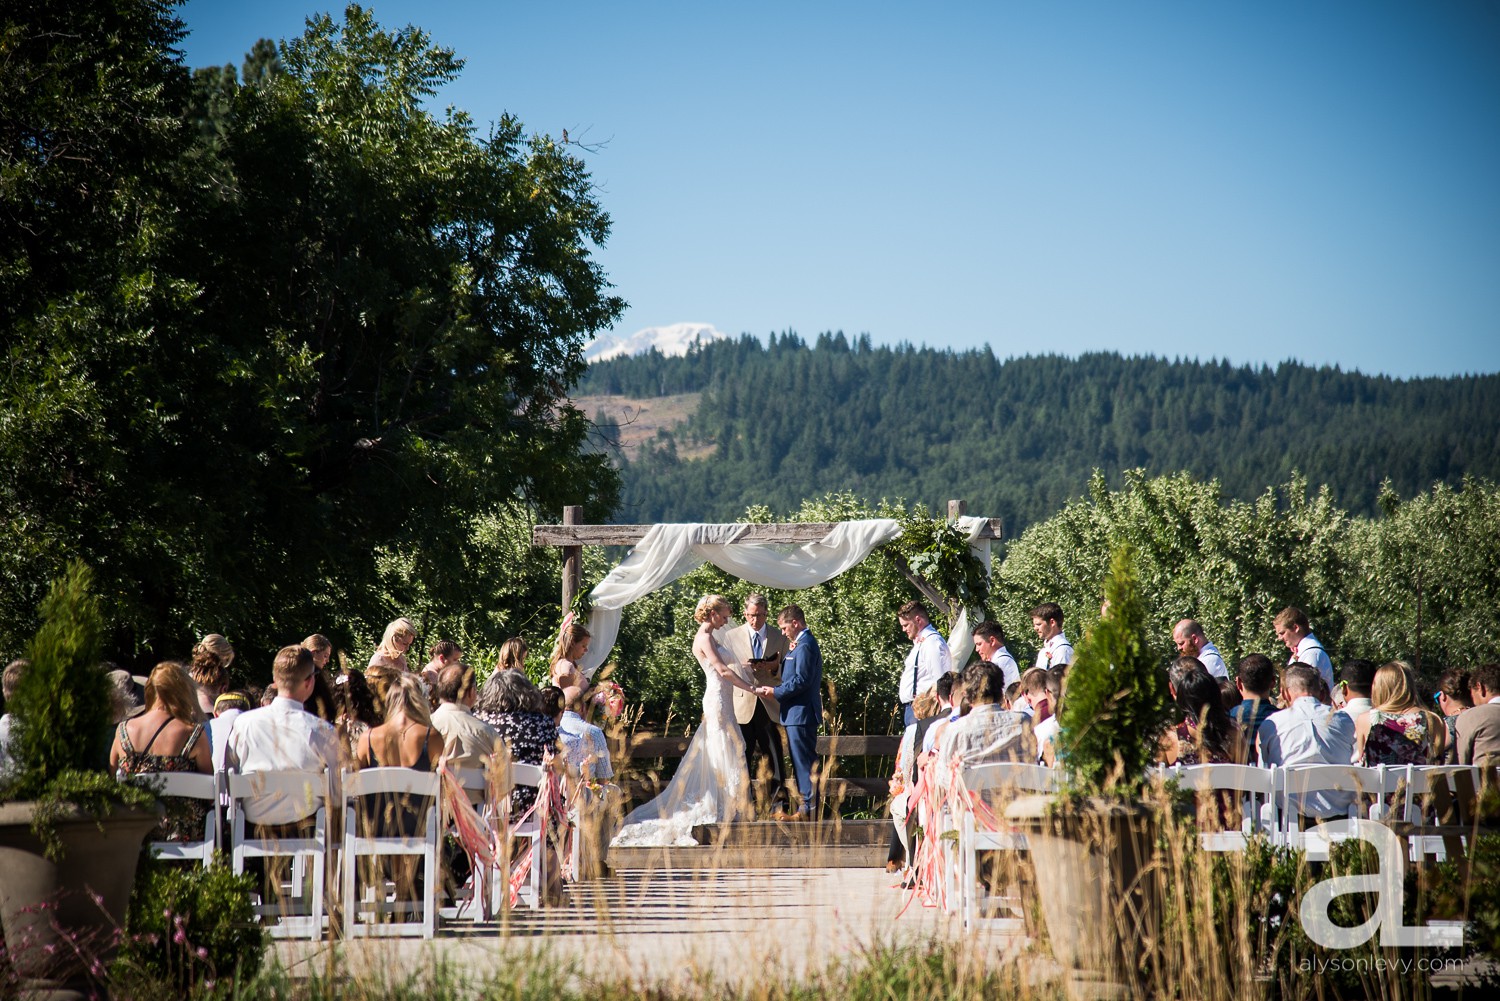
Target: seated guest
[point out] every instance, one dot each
(321, 647)
(123, 700)
(1355, 678)
(1452, 699)
(167, 737)
(282, 737)
(400, 634)
(585, 745)
(512, 655)
(210, 675)
(444, 653)
(9, 682)
(407, 738)
(1229, 692)
(987, 733)
(1036, 695)
(1399, 730)
(1478, 729)
(510, 703)
(268, 695)
(467, 742)
(1205, 734)
(227, 709)
(1255, 677)
(218, 646)
(1307, 732)
(321, 703)
(928, 707)
(356, 709)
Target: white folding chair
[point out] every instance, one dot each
(365, 838)
(1256, 797)
(991, 783)
(534, 830)
(475, 893)
(191, 786)
(301, 917)
(1323, 788)
(1434, 806)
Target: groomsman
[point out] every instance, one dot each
(1056, 651)
(1191, 641)
(929, 659)
(801, 696)
(989, 643)
(760, 648)
(1293, 629)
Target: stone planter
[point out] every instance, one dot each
(1098, 889)
(86, 894)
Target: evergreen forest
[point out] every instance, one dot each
(1017, 438)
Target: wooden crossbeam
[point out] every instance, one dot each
(628, 535)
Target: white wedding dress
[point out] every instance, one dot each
(710, 785)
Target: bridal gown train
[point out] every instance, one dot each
(711, 783)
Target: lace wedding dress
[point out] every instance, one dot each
(710, 785)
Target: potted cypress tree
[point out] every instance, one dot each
(70, 835)
(1093, 845)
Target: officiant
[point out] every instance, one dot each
(760, 648)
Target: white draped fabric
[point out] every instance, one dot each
(669, 551)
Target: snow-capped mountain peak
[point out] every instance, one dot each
(674, 339)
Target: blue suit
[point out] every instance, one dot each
(801, 698)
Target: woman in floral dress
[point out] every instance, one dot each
(167, 737)
(1398, 730)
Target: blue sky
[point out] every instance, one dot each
(1251, 181)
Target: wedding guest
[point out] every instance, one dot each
(585, 745)
(321, 703)
(398, 638)
(1452, 699)
(1478, 729)
(1205, 734)
(511, 704)
(928, 707)
(227, 709)
(443, 654)
(1308, 732)
(167, 737)
(512, 655)
(210, 674)
(381, 678)
(1399, 730)
(987, 733)
(1047, 620)
(9, 682)
(321, 648)
(468, 742)
(1356, 678)
(1255, 677)
(217, 645)
(268, 695)
(572, 645)
(122, 696)
(356, 710)
(407, 738)
(553, 703)
(1230, 693)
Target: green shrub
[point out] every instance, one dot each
(190, 932)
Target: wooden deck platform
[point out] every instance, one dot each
(829, 844)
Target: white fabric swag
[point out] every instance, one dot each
(669, 551)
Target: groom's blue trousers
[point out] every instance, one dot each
(802, 741)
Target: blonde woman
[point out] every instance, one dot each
(398, 638)
(711, 784)
(167, 737)
(571, 646)
(1398, 730)
(512, 655)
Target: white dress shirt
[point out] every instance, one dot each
(1055, 651)
(929, 660)
(219, 728)
(1211, 658)
(1309, 733)
(1310, 652)
(1008, 665)
(282, 737)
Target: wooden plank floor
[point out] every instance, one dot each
(833, 844)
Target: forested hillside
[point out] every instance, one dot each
(1017, 438)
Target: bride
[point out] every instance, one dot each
(711, 784)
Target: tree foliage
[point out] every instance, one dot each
(281, 352)
(1018, 438)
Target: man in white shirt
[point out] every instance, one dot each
(1307, 732)
(1293, 629)
(1356, 678)
(989, 643)
(468, 741)
(1192, 642)
(929, 657)
(282, 737)
(1056, 651)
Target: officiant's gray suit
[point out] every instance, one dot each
(756, 716)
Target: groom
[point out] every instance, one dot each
(801, 704)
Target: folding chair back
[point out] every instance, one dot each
(1250, 790)
(402, 797)
(300, 917)
(1326, 792)
(188, 786)
(988, 784)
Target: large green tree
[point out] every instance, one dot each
(319, 332)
